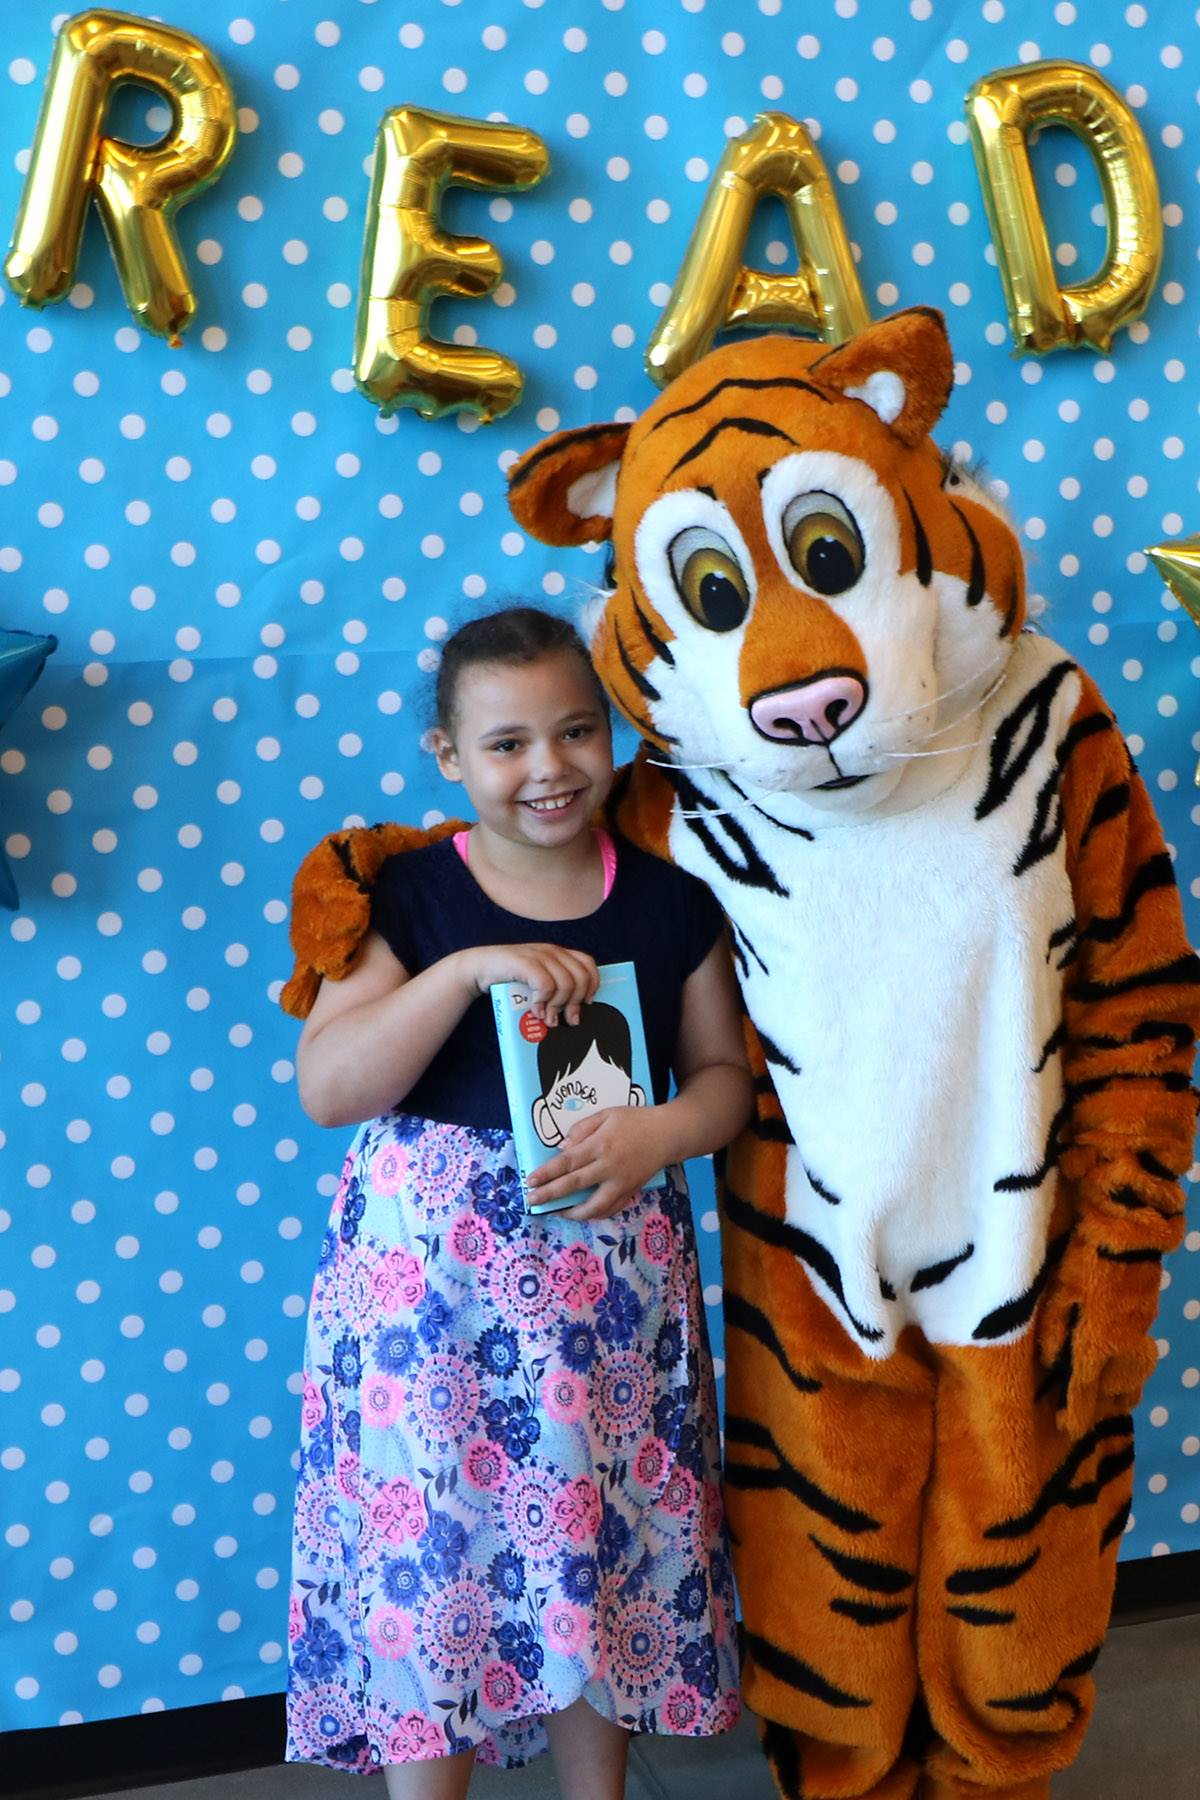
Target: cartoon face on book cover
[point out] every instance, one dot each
(556, 1076)
(582, 1068)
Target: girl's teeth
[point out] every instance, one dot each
(551, 805)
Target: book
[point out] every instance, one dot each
(556, 1075)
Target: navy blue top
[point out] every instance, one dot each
(426, 904)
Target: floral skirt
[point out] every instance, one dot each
(508, 1492)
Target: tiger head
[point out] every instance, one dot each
(804, 591)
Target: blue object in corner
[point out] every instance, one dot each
(22, 658)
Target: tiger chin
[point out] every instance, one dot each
(973, 1013)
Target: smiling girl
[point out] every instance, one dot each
(508, 1524)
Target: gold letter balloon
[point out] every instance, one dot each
(1178, 562)
(1002, 109)
(409, 260)
(136, 187)
(714, 289)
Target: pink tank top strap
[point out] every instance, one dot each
(608, 856)
(608, 853)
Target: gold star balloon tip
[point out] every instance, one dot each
(1178, 563)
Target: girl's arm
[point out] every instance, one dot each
(372, 1035)
(618, 1149)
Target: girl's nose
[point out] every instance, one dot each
(548, 761)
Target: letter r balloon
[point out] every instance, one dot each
(136, 187)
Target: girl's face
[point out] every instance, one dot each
(531, 746)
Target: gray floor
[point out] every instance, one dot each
(1144, 1745)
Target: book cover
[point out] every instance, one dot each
(556, 1075)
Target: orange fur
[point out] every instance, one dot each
(331, 903)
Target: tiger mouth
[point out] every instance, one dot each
(838, 782)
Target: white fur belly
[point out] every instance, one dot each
(912, 982)
(919, 1015)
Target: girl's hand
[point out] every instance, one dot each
(558, 980)
(616, 1151)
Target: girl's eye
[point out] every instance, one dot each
(505, 745)
(709, 578)
(823, 543)
(577, 731)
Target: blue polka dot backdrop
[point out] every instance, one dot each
(249, 572)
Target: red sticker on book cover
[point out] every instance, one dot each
(532, 1029)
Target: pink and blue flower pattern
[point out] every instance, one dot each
(508, 1488)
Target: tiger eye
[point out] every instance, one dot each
(823, 543)
(709, 579)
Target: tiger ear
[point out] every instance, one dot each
(902, 367)
(563, 490)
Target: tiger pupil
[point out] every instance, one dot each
(830, 566)
(720, 603)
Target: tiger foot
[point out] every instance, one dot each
(806, 1769)
(938, 1787)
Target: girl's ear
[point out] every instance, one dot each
(563, 490)
(902, 368)
(446, 754)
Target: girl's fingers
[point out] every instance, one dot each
(545, 978)
(587, 1128)
(572, 1180)
(559, 980)
(607, 1199)
(571, 978)
(585, 976)
(555, 1168)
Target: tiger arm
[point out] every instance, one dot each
(331, 903)
(640, 804)
(1131, 1016)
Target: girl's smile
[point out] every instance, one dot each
(555, 803)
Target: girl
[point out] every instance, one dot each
(508, 1525)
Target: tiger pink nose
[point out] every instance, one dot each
(816, 712)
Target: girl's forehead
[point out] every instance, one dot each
(557, 680)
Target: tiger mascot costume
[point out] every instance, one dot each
(972, 1011)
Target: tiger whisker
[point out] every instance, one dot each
(722, 812)
(946, 750)
(981, 702)
(712, 768)
(950, 725)
(948, 694)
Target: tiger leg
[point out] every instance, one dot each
(826, 1458)
(1018, 1563)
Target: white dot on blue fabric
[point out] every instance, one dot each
(250, 574)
